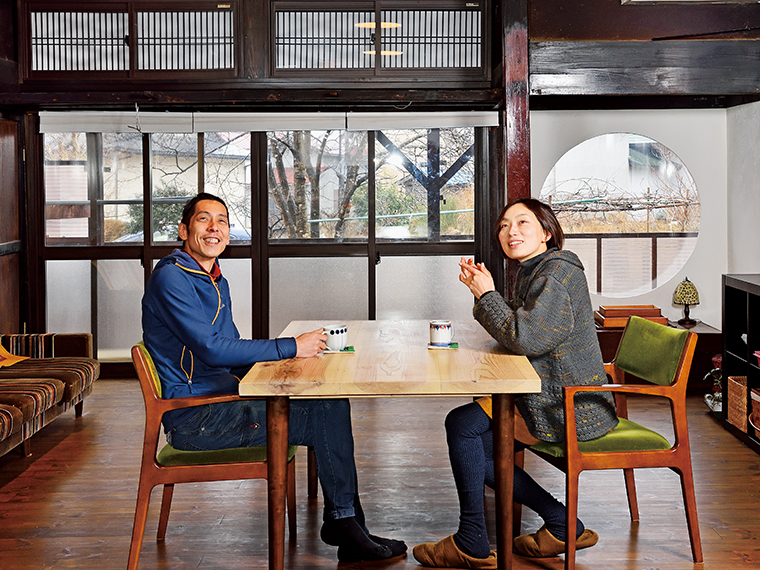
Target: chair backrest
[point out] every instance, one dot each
(146, 370)
(651, 351)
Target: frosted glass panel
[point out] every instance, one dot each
(238, 273)
(120, 291)
(316, 288)
(585, 249)
(68, 296)
(415, 287)
(118, 295)
(627, 267)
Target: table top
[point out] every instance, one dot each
(392, 358)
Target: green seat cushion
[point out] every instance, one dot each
(627, 436)
(169, 456)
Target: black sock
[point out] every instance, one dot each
(354, 545)
(529, 493)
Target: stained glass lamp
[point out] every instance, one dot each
(686, 294)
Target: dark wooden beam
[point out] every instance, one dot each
(515, 116)
(292, 98)
(720, 67)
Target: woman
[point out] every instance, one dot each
(550, 320)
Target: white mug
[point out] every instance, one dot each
(440, 333)
(337, 336)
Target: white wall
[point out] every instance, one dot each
(744, 188)
(699, 138)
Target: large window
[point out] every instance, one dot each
(346, 212)
(629, 208)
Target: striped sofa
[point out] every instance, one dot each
(59, 374)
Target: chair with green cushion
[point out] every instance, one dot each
(661, 357)
(172, 466)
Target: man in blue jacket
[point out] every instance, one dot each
(197, 349)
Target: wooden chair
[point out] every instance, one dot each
(172, 466)
(661, 356)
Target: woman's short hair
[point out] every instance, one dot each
(545, 217)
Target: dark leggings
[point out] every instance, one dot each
(469, 436)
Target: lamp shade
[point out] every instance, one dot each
(686, 293)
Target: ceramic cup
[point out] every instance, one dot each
(440, 333)
(337, 336)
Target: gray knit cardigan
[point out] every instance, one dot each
(550, 320)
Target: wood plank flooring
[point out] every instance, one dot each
(71, 504)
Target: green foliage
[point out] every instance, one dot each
(166, 217)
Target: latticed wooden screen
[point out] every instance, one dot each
(79, 41)
(180, 40)
(185, 40)
(431, 39)
(324, 40)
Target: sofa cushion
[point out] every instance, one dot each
(76, 373)
(32, 396)
(11, 420)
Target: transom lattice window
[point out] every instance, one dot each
(407, 39)
(431, 38)
(78, 41)
(324, 40)
(185, 40)
(188, 38)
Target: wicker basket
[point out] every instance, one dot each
(737, 402)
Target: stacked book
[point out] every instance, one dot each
(616, 316)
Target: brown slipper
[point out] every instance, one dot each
(543, 544)
(446, 554)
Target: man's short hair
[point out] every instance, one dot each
(189, 209)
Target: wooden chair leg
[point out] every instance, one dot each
(291, 500)
(630, 488)
(517, 507)
(571, 525)
(166, 505)
(138, 530)
(690, 505)
(311, 470)
(78, 409)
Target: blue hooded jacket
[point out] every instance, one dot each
(188, 330)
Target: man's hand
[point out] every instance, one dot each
(311, 343)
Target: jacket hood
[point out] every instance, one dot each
(179, 257)
(564, 256)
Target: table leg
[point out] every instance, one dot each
(278, 408)
(504, 457)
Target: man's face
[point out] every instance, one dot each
(207, 234)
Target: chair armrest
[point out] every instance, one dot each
(73, 344)
(166, 404)
(569, 393)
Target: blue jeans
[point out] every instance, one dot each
(324, 424)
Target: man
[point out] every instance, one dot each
(189, 332)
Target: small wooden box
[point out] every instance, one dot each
(737, 402)
(616, 316)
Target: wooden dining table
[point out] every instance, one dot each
(393, 359)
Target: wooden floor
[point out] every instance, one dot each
(71, 504)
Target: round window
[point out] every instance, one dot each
(629, 208)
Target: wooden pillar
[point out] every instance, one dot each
(515, 109)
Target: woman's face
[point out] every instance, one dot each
(521, 235)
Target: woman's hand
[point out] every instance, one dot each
(311, 343)
(477, 278)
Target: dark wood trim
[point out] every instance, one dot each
(295, 96)
(34, 219)
(516, 112)
(718, 67)
(10, 247)
(259, 251)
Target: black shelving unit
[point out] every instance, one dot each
(741, 338)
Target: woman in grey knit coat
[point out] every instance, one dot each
(550, 320)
